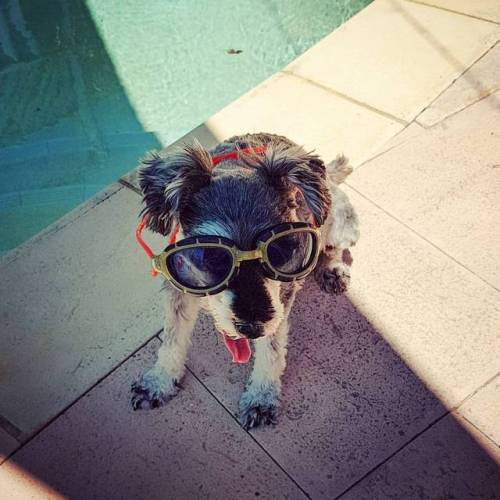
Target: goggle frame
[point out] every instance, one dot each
(263, 240)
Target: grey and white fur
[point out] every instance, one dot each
(238, 199)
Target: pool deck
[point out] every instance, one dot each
(391, 391)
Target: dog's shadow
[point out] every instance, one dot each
(349, 403)
(348, 400)
(337, 363)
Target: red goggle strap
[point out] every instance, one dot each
(138, 236)
(235, 154)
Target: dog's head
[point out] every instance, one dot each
(238, 199)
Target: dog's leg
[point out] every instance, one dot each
(159, 384)
(260, 401)
(340, 232)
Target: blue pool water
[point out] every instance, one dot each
(87, 87)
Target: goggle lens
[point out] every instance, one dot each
(200, 267)
(292, 253)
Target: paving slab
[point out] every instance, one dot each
(416, 334)
(439, 317)
(450, 460)
(481, 80)
(315, 118)
(444, 184)
(409, 55)
(7, 445)
(483, 410)
(100, 448)
(75, 302)
(485, 9)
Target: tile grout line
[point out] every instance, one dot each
(452, 411)
(471, 65)
(421, 2)
(346, 97)
(287, 474)
(474, 392)
(389, 457)
(129, 185)
(490, 440)
(422, 237)
(379, 154)
(30, 436)
(467, 106)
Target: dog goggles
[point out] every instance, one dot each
(205, 265)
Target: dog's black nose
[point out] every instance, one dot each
(250, 330)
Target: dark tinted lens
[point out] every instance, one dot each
(291, 253)
(200, 267)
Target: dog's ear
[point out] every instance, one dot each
(286, 167)
(168, 182)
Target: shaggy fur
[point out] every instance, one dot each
(238, 199)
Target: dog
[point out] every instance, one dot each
(261, 181)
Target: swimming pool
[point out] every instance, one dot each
(87, 87)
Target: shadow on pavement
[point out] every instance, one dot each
(349, 404)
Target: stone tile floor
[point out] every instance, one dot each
(391, 391)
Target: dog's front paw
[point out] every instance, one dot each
(334, 280)
(152, 390)
(258, 408)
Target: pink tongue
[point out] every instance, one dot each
(239, 349)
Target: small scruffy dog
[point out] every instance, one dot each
(252, 217)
